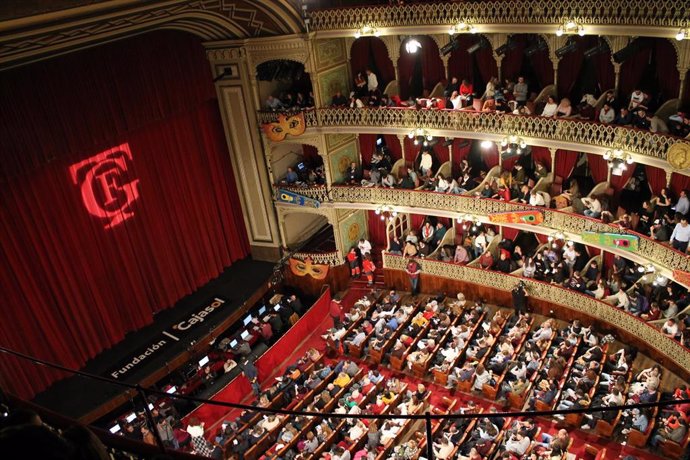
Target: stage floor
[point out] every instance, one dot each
(76, 396)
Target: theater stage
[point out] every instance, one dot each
(77, 397)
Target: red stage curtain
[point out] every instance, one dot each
(632, 71)
(656, 178)
(618, 182)
(311, 155)
(511, 64)
(441, 151)
(461, 63)
(371, 52)
(565, 162)
(667, 71)
(510, 233)
(543, 67)
(461, 148)
(679, 182)
(508, 164)
(72, 286)
(377, 230)
(411, 150)
(367, 147)
(542, 155)
(568, 70)
(598, 167)
(490, 156)
(393, 145)
(432, 68)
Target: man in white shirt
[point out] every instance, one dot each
(681, 235)
(683, 204)
(637, 99)
(426, 162)
(607, 114)
(518, 444)
(670, 328)
(364, 246)
(536, 199)
(372, 81)
(593, 207)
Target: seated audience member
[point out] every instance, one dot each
(273, 103)
(520, 91)
(593, 207)
(452, 87)
(681, 235)
(550, 108)
(489, 105)
(339, 100)
(607, 114)
(291, 177)
(679, 124)
(564, 108)
(638, 99)
(466, 93)
(355, 102)
(640, 119)
(624, 118)
(353, 174)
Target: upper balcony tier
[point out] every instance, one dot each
(585, 136)
(644, 17)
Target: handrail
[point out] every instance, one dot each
(331, 258)
(587, 135)
(567, 298)
(659, 254)
(648, 13)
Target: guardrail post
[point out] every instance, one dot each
(429, 437)
(150, 420)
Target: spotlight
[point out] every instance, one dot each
(449, 47)
(412, 45)
(568, 48)
(482, 43)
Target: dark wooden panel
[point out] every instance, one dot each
(337, 278)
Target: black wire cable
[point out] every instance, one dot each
(432, 416)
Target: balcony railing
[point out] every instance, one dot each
(476, 125)
(315, 192)
(648, 13)
(569, 299)
(554, 220)
(331, 258)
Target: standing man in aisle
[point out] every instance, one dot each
(520, 298)
(336, 312)
(413, 270)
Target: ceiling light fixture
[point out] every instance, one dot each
(683, 34)
(570, 27)
(367, 31)
(412, 45)
(618, 161)
(462, 27)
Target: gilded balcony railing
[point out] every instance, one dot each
(648, 13)
(659, 254)
(644, 143)
(315, 192)
(331, 258)
(569, 299)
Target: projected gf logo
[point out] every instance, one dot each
(107, 189)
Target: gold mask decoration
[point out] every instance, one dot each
(308, 267)
(292, 124)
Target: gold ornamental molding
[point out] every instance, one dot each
(585, 136)
(679, 156)
(660, 18)
(449, 205)
(566, 298)
(27, 39)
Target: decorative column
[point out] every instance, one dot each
(401, 138)
(553, 151)
(669, 174)
(392, 43)
(237, 95)
(617, 73)
(682, 72)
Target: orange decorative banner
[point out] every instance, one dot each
(307, 267)
(517, 217)
(293, 125)
(682, 277)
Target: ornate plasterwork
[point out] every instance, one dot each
(646, 147)
(33, 38)
(225, 54)
(618, 13)
(289, 48)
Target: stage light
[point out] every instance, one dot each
(482, 43)
(486, 144)
(568, 48)
(412, 45)
(449, 47)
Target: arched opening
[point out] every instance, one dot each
(284, 85)
(527, 55)
(420, 72)
(472, 60)
(649, 64)
(308, 232)
(587, 69)
(297, 164)
(371, 53)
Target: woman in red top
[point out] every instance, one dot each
(466, 91)
(368, 267)
(353, 261)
